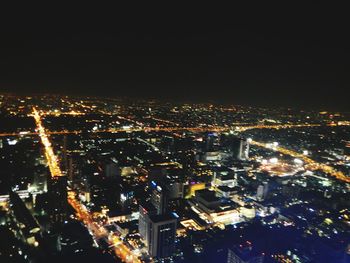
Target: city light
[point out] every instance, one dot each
(122, 251)
(175, 135)
(143, 187)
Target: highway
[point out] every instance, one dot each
(82, 213)
(98, 231)
(51, 158)
(310, 164)
(171, 129)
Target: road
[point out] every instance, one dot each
(51, 158)
(170, 129)
(82, 213)
(98, 231)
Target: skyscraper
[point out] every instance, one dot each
(126, 195)
(146, 210)
(58, 197)
(26, 223)
(162, 233)
(158, 198)
(240, 148)
(40, 182)
(262, 191)
(112, 169)
(211, 142)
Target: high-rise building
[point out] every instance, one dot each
(175, 190)
(25, 221)
(146, 210)
(211, 142)
(244, 253)
(240, 148)
(58, 198)
(162, 234)
(262, 191)
(158, 198)
(224, 178)
(167, 143)
(112, 169)
(40, 182)
(126, 195)
(74, 238)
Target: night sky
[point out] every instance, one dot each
(295, 57)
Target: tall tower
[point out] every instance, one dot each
(112, 170)
(146, 210)
(58, 197)
(158, 198)
(162, 234)
(240, 148)
(262, 191)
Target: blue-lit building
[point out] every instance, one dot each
(158, 198)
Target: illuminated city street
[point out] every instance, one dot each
(81, 211)
(51, 158)
(129, 180)
(176, 129)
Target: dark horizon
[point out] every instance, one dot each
(95, 95)
(284, 60)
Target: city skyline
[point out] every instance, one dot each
(110, 180)
(175, 134)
